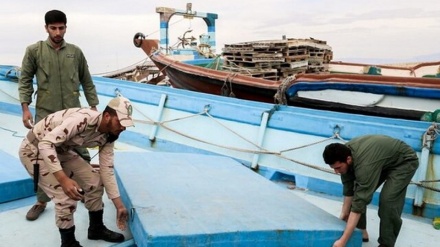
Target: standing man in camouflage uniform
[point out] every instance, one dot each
(60, 69)
(365, 163)
(47, 154)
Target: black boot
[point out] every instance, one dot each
(68, 238)
(97, 230)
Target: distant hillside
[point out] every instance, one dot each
(428, 58)
(423, 58)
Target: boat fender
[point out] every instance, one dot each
(431, 116)
(427, 117)
(436, 223)
(137, 39)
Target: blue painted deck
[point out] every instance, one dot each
(16, 183)
(204, 200)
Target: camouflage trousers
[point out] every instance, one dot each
(76, 168)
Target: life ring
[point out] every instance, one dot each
(137, 39)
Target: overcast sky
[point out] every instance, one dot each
(380, 30)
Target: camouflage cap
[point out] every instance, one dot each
(123, 109)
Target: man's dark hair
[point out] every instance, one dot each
(55, 16)
(110, 111)
(336, 152)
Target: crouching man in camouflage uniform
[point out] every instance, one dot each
(47, 154)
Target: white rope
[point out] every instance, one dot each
(260, 150)
(433, 129)
(280, 96)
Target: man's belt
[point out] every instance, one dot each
(32, 138)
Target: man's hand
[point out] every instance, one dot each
(27, 119)
(121, 218)
(344, 216)
(339, 243)
(121, 213)
(70, 186)
(346, 206)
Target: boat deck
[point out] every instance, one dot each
(415, 232)
(15, 230)
(201, 200)
(186, 200)
(182, 199)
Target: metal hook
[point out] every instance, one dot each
(118, 92)
(132, 211)
(336, 130)
(207, 108)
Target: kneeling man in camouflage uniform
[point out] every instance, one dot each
(47, 152)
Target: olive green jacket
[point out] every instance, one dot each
(59, 75)
(374, 157)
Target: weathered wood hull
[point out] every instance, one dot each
(225, 83)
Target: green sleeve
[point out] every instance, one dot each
(367, 178)
(28, 70)
(87, 82)
(348, 184)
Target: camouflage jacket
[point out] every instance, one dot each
(60, 132)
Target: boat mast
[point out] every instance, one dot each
(166, 14)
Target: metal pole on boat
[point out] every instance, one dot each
(166, 14)
(261, 133)
(428, 139)
(159, 112)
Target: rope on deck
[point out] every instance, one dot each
(280, 96)
(260, 149)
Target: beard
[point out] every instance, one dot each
(112, 136)
(57, 39)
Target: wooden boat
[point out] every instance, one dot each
(189, 171)
(142, 72)
(378, 95)
(191, 153)
(425, 69)
(298, 72)
(195, 78)
(388, 96)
